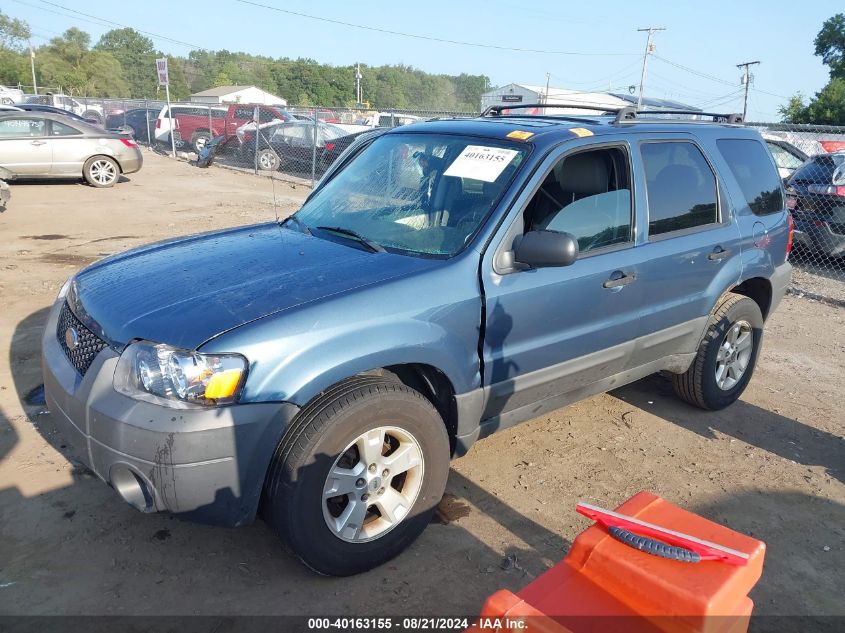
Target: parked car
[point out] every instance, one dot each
(192, 122)
(447, 280)
(38, 107)
(787, 157)
(45, 145)
(332, 149)
(816, 196)
(10, 96)
(290, 145)
(90, 111)
(140, 122)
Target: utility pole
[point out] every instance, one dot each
(358, 85)
(546, 97)
(32, 66)
(746, 79)
(648, 50)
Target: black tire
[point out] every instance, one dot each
(97, 165)
(268, 160)
(199, 140)
(698, 385)
(293, 501)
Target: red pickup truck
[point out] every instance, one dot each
(192, 121)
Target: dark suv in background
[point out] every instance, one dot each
(816, 197)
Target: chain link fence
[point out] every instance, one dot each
(298, 144)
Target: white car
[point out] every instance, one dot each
(10, 96)
(91, 111)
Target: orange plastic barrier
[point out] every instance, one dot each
(605, 585)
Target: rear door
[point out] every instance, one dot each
(24, 146)
(691, 245)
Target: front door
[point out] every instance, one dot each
(553, 331)
(25, 149)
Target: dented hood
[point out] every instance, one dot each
(184, 291)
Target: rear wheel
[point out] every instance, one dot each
(200, 140)
(101, 171)
(358, 475)
(726, 356)
(268, 160)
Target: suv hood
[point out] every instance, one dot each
(185, 291)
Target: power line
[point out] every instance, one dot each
(109, 22)
(714, 78)
(430, 38)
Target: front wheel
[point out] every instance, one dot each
(101, 171)
(358, 475)
(726, 355)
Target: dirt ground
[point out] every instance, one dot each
(772, 465)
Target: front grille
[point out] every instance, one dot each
(88, 344)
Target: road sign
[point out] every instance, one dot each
(161, 67)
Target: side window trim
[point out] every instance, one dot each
(502, 257)
(723, 212)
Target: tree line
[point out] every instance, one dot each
(828, 105)
(122, 64)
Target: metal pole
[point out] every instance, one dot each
(650, 30)
(147, 119)
(32, 66)
(210, 129)
(314, 152)
(257, 135)
(747, 79)
(170, 115)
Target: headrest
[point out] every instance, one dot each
(583, 174)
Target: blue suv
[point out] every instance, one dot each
(444, 281)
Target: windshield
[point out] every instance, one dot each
(417, 193)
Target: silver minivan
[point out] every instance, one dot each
(43, 145)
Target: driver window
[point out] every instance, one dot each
(587, 194)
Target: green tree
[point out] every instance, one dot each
(136, 55)
(68, 62)
(14, 33)
(830, 45)
(828, 105)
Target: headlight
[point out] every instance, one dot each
(177, 377)
(64, 289)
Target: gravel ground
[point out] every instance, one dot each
(772, 465)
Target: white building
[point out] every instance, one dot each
(237, 94)
(517, 94)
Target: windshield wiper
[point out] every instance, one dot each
(302, 226)
(373, 246)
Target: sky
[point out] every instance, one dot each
(694, 61)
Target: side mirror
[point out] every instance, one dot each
(539, 249)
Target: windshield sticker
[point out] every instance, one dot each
(481, 163)
(520, 135)
(580, 131)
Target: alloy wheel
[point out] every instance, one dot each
(103, 172)
(373, 484)
(734, 355)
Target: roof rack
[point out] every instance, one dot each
(625, 114)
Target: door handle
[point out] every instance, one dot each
(619, 279)
(38, 142)
(718, 253)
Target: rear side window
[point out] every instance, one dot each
(681, 187)
(751, 165)
(60, 129)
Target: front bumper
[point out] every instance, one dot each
(208, 464)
